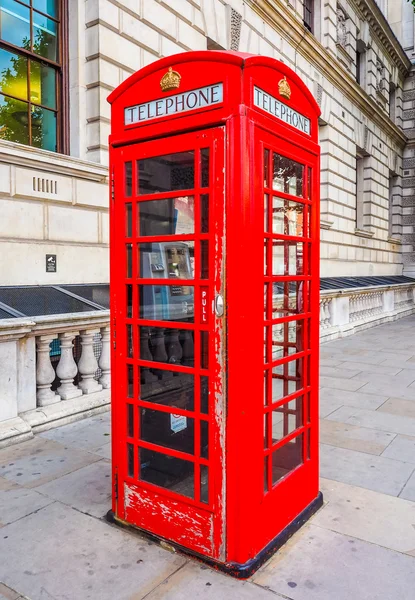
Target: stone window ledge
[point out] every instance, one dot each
(29, 156)
(364, 233)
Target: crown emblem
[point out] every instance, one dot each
(170, 80)
(284, 88)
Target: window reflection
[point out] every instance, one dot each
(287, 379)
(171, 216)
(287, 176)
(287, 217)
(167, 471)
(166, 260)
(287, 458)
(166, 173)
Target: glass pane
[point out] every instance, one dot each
(130, 420)
(204, 213)
(44, 129)
(204, 395)
(166, 173)
(204, 484)
(128, 175)
(287, 176)
(266, 167)
(166, 260)
(42, 84)
(130, 381)
(287, 458)
(266, 387)
(13, 74)
(167, 302)
(287, 418)
(129, 248)
(167, 471)
(174, 346)
(45, 36)
(15, 23)
(171, 216)
(266, 257)
(287, 379)
(266, 474)
(288, 298)
(129, 301)
(287, 217)
(266, 430)
(50, 7)
(130, 460)
(130, 341)
(266, 286)
(266, 203)
(287, 258)
(167, 429)
(204, 439)
(204, 167)
(204, 349)
(287, 338)
(168, 388)
(14, 117)
(204, 259)
(128, 219)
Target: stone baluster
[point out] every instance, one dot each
(104, 362)
(174, 349)
(145, 354)
(88, 364)
(45, 373)
(188, 351)
(159, 351)
(67, 369)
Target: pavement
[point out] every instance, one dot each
(55, 490)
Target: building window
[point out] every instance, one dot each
(31, 72)
(309, 15)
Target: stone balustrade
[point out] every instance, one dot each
(343, 312)
(53, 368)
(56, 369)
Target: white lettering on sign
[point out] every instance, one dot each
(173, 105)
(204, 306)
(280, 110)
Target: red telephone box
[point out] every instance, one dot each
(215, 304)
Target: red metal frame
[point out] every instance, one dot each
(242, 516)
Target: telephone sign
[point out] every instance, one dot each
(214, 161)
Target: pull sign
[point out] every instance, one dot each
(204, 306)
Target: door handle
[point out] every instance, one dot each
(219, 307)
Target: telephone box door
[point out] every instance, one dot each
(289, 183)
(167, 235)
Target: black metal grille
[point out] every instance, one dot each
(338, 283)
(99, 293)
(5, 315)
(35, 301)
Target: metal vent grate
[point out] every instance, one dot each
(99, 293)
(35, 301)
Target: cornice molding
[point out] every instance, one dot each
(279, 18)
(379, 24)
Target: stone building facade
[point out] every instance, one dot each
(346, 52)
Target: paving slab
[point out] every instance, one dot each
(337, 383)
(87, 489)
(408, 493)
(104, 451)
(367, 515)
(318, 564)
(37, 461)
(7, 593)
(87, 434)
(62, 554)
(390, 389)
(368, 368)
(361, 439)
(401, 448)
(403, 378)
(194, 582)
(374, 420)
(364, 470)
(396, 406)
(19, 502)
(328, 405)
(342, 372)
(357, 399)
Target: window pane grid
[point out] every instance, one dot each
(162, 352)
(29, 44)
